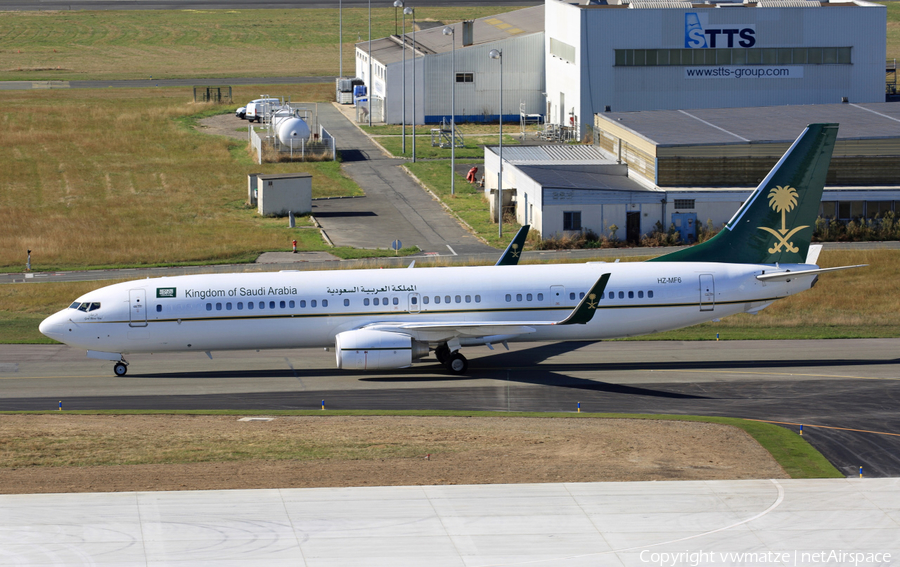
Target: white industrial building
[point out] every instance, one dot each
(655, 55)
(430, 69)
(687, 167)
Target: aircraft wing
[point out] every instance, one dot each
(445, 330)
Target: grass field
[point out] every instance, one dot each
(92, 448)
(195, 43)
(118, 177)
(848, 304)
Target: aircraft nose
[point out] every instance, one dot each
(53, 326)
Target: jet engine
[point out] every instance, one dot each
(376, 350)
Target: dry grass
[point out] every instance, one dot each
(111, 177)
(193, 43)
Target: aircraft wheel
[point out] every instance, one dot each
(442, 353)
(457, 363)
(120, 369)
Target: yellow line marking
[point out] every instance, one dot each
(826, 427)
(725, 371)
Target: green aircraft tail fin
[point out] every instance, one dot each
(776, 223)
(513, 252)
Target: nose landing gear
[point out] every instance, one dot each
(120, 368)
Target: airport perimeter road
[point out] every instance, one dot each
(233, 5)
(845, 392)
(395, 206)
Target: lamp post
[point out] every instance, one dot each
(341, 34)
(412, 12)
(498, 54)
(399, 4)
(371, 78)
(451, 32)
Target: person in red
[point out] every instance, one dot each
(470, 177)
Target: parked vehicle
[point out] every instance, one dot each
(241, 112)
(256, 109)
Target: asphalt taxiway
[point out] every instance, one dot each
(844, 392)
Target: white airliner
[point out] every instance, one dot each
(387, 319)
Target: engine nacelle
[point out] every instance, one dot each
(376, 350)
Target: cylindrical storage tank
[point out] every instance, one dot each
(292, 132)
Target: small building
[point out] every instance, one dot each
(430, 75)
(283, 193)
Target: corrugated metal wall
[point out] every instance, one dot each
(523, 80)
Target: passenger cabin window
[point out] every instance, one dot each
(508, 297)
(630, 295)
(540, 297)
(271, 305)
(158, 308)
(414, 300)
(528, 297)
(209, 306)
(375, 301)
(437, 298)
(640, 295)
(571, 296)
(312, 302)
(324, 303)
(650, 293)
(468, 299)
(228, 306)
(303, 304)
(249, 305)
(425, 299)
(366, 301)
(446, 299)
(281, 304)
(346, 303)
(218, 306)
(621, 295)
(477, 299)
(291, 304)
(396, 301)
(240, 305)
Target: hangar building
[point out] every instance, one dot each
(520, 36)
(653, 55)
(689, 167)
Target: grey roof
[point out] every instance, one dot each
(759, 124)
(485, 30)
(563, 178)
(553, 154)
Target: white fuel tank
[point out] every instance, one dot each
(292, 132)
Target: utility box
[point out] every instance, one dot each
(283, 193)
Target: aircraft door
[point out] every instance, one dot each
(557, 295)
(707, 292)
(415, 303)
(137, 301)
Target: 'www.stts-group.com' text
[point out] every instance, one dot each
(697, 558)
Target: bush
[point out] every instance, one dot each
(857, 230)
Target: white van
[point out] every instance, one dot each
(257, 109)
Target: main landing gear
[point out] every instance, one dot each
(455, 362)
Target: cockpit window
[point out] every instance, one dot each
(74, 305)
(94, 306)
(84, 307)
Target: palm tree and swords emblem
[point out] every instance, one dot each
(783, 200)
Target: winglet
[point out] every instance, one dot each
(513, 252)
(585, 309)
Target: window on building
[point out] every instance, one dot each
(685, 204)
(572, 220)
(733, 56)
(465, 77)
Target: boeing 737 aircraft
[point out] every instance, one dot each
(387, 319)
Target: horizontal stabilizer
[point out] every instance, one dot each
(776, 276)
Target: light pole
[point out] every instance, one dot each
(371, 78)
(498, 54)
(399, 4)
(341, 34)
(412, 12)
(451, 32)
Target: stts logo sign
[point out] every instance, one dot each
(698, 34)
